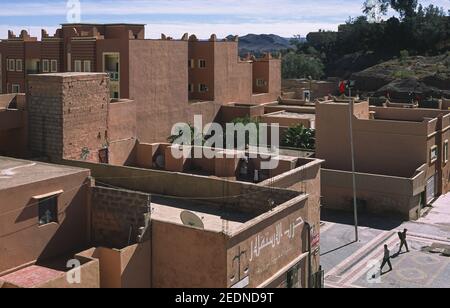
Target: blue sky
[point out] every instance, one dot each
(202, 17)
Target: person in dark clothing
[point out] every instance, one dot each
(403, 242)
(386, 259)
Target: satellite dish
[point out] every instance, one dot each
(192, 220)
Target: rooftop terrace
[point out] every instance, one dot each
(15, 172)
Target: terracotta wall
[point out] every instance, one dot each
(233, 78)
(118, 216)
(23, 240)
(375, 141)
(129, 267)
(246, 257)
(159, 86)
(394, 196)
(202, 50)
(254, 198)
(185, 257)
(68, 115)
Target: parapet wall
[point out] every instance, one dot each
(237, 196)
(379, 194)
(118, 216)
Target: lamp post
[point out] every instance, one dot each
(352, 147)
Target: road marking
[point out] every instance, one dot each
(339, 268)
(326, 227)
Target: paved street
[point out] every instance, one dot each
(356, 265)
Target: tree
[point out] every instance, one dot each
(406, 8)
(194, 135)
(300, 137)
(302, 66)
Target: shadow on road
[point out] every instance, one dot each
(336, 249)
(364, 220)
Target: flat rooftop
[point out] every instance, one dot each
(31, 276)
(292, 115)
(16, 172)
(214, 218)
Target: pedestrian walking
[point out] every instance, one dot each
(386, 259)
(403, 243)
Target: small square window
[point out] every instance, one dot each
(48, 210)
(45, 66)
(54, 66)
(19, 65)
(78, 66)
(434, 154)
(202, 63)
(15, 88)
(203, 88)
(260, 83)
(87, 66)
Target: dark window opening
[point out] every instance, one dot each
(48, 210)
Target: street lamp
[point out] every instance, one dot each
(351, 108)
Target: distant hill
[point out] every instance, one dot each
(427, 75)
(262, 43)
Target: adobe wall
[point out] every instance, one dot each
(129, 267)
(90, 277)
(24, 241)
(233, 78)
(159, 86)
(244, 197)
(185, 257)
(374, 140)
(307, 179)
(122, 132)
(278, 118)
(117, 216)
(68, 115)
(202, 50)
(398, 197)
(228, 113)
(285, 233)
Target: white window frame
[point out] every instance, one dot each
(19, 65)
(11, 65)
(260, 83)
(446, 148)
(45, 66)
(78, 66)
(54, 66)
(191, 88)
(201, 90)
(87, 66)
(17, 86)
(434, 153)
(201, 62)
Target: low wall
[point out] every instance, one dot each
(129, 267)
(244, 197)
(117, 216)
(229, 113)
(378, 194)
(89, 274)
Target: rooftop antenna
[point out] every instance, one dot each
(191, 220)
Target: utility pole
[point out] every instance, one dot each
(352, 146)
